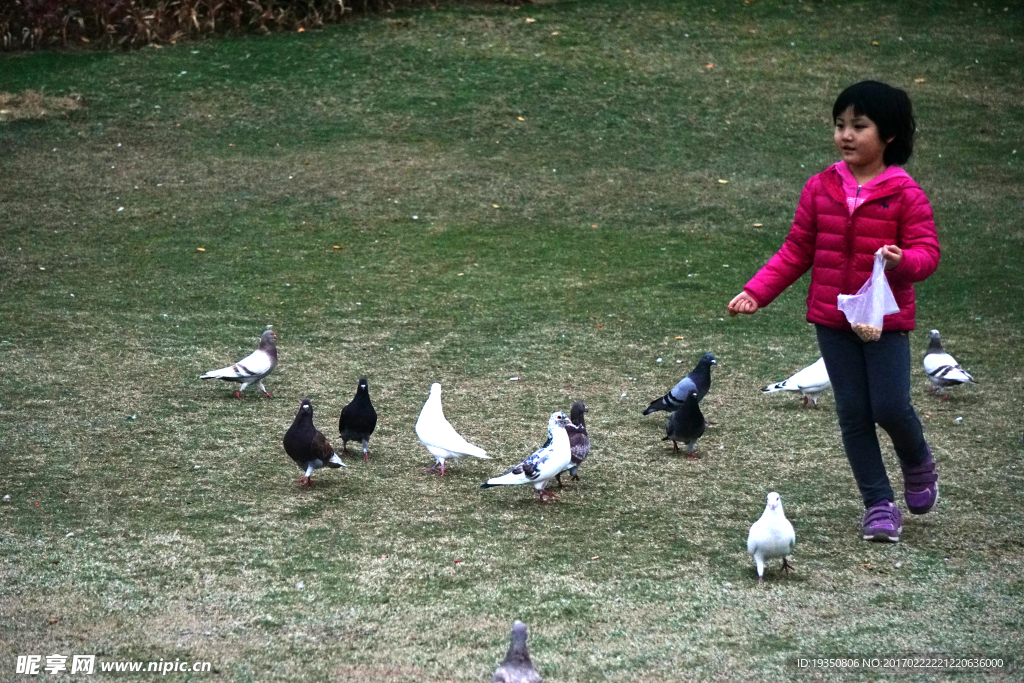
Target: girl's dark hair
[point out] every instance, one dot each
(891, 111)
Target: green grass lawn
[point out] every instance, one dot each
(461, 195)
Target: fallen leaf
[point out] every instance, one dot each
(918, 80)
(723, 181)
(678, 337)
(709, 66)
(496, 206)
(593, 225)
(927, 415)
(458, 561)
(521, 118)
(866, 565)
(529, 20)
(337, 247)
(595, 557)
(554, 33)
(302, 30)
(383, 557)
(758, 225)
(460, 274)
(200, 249)
(874, 42)
(54, 621)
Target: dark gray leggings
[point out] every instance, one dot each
(871, 383)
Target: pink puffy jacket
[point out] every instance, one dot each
(839, 247)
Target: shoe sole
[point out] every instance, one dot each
(883, 537)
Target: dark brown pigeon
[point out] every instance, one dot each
(686, 424)
(517, 667)
(579, 440)
(307, 446)
(358, 420)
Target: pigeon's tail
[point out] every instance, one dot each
(778, 386)
(335, 461)
(475, 451)
(223, 373)
(655, 406)
(507, 479)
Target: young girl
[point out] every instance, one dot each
(863, 204)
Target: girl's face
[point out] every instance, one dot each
(858, 141)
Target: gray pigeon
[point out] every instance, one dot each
(579, 440)
(358, 419)
(686, 424)
(517, 667)
(942, 368)
(252, 368)
(699, 380)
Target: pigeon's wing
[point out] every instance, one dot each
(320, 448)
(681, 390)
(439, 433)
(579, 443)
(812, 378)
(944, 368)
(256, 365)
(753, 537)
(526, 471)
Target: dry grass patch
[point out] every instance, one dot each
(33, 105)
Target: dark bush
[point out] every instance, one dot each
(33, 24)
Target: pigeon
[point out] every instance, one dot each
(358, 420)
(810, 382)
(542, 466)
(686, 424)
(699, 380)
(579, 440)
(771, 536)
(438, 435)
(942, 368)
(517, 667)
(252, 368)
(307, 446)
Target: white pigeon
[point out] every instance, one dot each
(810, 382)
(438, 435)
(253, 368)
(771, 536)
(544, 464)
(942, 368)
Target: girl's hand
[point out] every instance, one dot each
(892, 255)
(742, 303)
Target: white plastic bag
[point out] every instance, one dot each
(870, 304)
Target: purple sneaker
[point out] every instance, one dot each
(882, 522)
(921, 486)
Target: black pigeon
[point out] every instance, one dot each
(517, 667)
(686, 424)
(579, 440)
(358, 420)
(699, 380)
(307, 446)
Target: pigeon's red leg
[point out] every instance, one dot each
(238, 394)
(787, 567)
(805, 401)
(675, 447)
(760, 579)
